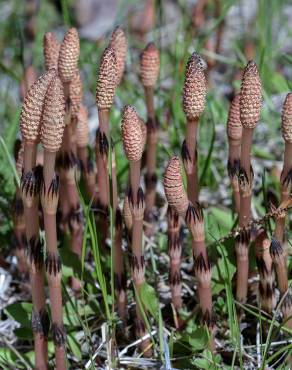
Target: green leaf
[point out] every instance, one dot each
(198, 339)
(74, 346)
(149, 299)
(20, 312)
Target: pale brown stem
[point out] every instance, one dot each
(241, 247)
(36, 272)
(234, 160)
(54, 278)
(192, 175)
(149, 99)
(135, 179)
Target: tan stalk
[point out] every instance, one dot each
(194, 96)
(149, 69)
(234, 133)
(174, 251)
(250, 109)
(286, 175)
(193, 216)
(51, 137)
(267, 296)
(30, 121)
(133, 148)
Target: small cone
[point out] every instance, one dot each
(132, 134)
(75, 93)
(287, 119)
(149, 65)
(53, 117)
(82, 127)
(234, 126)
(107, 79)
(250, 96)
(32, 108)
(173, 187)
(51, 50)
(195, 87)
(118, 43)
(69, 55)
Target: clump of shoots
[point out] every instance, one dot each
(118, 43)
(264, 261)
(250, 109)
(234, 133)
(51, 137)
(149, 69)
(133, 147)
(194, 96)
(174, 251)
(30, 122)
(193, 216)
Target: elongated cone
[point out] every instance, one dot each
(132, 134)
(195, 87)
(82, 127)
(69, 55)
(287, 119)
(149, 65)
(250, 96)
(234, 126)
(32, 108)
(127, 215)
(144, 131)
(173, 187)
(107, 79)
(75, 93)
(118, 43)
(51, 50)
(53, 117)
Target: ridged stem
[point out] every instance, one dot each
(36, 271)
(241, 246)
(192, 173)
(49, 203)
(233, 162)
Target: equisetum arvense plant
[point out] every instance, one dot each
(193, 216)
(174, 251)
(133, 147)
(51, 137)
(30, 122)
(267, 298)
(67, 156)
(194, 96)
(149, 71)
(234, 133)
(118, 43)
(105, 91)
(51, 50)
(250, 109)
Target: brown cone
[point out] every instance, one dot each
(75, 93)
(144, 131)
(32, 108)
(195, 87)
(69, 55)
(132, 134)
(287, 119)
(107, 79)
(173, 187)
(51, 50)
(82, 127)
(234, 126)
(53, 117)
(250, 96)
(149, 65)
(127, 215)
(118, 43)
